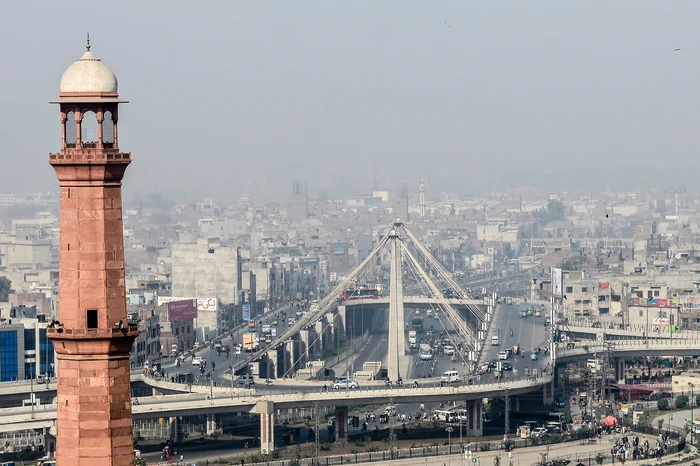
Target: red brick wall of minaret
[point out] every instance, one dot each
(94, 422)
(91, 256)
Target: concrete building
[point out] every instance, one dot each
(147, 346)
(205, 268)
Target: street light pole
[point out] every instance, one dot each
(449, 443)
(31, 385)
(692, 418)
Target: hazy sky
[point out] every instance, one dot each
(245, 96)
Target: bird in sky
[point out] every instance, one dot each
(677, 50)
(448, 24)
(607, 216)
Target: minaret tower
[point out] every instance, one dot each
(421, 199)
(92, 336)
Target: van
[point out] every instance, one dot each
(494, 341)
(449, 377)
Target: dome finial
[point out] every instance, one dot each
(87, 46)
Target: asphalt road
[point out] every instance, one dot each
(222, 362)
(528, 332)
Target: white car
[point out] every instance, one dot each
(503, 355)
(449, 350)
(539, 432)
(345, 384)
(196, 361)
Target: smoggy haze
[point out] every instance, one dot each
(247, 96)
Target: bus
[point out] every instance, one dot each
(425, 353)
(359, 293)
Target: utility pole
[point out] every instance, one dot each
(505, 434)
(317, 444)
(392, 434)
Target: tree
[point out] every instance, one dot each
(681, 401)
(555, 211)
(5, 289)
(662, 404)
(600, 457)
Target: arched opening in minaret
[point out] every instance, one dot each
(71, 129)
(108, 130)
(88, 129)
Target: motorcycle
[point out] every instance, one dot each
(268, 382)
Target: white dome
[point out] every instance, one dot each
(88, 74)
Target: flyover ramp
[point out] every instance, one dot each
(186, 405)
(629, 349)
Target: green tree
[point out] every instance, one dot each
(662, 404)
(681, 401)
(5, 289)
(555, 210)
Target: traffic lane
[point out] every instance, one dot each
(528, 333)
(208, 352)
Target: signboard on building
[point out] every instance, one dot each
(246, 315)
(653, 302)
(339, 250)
(203, 304)
(182, 310)
(557, 282)
(246, 307)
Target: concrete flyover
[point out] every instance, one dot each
(629, 348)
(14, 419)
(21, 390)
(413, 302)
(589, 330)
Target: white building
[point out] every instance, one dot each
(205, 269)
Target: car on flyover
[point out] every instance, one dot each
(341, 384)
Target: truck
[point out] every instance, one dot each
(417, 324)
(250, 342)
(412, 338)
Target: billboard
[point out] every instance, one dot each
(182, 310)
(246, 315)
(339, 250)
(556, 282)
(203, 304)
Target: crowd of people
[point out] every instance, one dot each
(638, 449)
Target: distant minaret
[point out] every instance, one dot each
(421, 199)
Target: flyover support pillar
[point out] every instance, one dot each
(515, 403)
(341, 423)
(318, 344)
(305, 338)
(288, 366)
(397, 340)
(175, 429)
(272, 363)
(213, 423)
(548, 392)
(619, 369)
(266, 410)
(475, 427)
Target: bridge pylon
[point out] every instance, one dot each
(397, 359)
